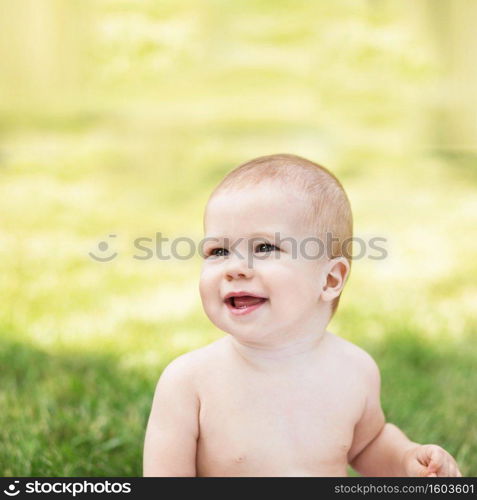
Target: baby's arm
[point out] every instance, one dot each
(173, 428)
(371, 422)
(391, 453)
(384, 455)
(381, 449)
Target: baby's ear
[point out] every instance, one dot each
(335, 279)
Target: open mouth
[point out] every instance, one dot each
(244, 304)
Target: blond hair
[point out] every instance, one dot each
(330, 210)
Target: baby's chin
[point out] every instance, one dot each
(254, 333)
(255, 328)
(250, 338)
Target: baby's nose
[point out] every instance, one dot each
(236, 275)
(238, 269)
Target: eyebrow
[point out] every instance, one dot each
(251, 235)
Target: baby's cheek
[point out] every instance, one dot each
(206, 285)
(298, 271)
(305, 285)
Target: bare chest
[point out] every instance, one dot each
(255, 428)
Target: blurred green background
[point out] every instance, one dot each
(119, 117)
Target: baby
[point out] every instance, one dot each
(280, 395)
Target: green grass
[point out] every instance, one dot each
(76, 414)
(70, 414)
(128, 129)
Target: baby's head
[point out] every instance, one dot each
(279, 228)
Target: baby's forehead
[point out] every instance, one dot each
(263, 192)
(269, 203)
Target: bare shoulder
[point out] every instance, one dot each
(354, 357)
(187, 369)
(173, 426)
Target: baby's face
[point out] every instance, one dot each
(239, 257)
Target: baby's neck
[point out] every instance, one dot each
(279, 353)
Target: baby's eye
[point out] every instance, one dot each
(218, 252)
(266, 247)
